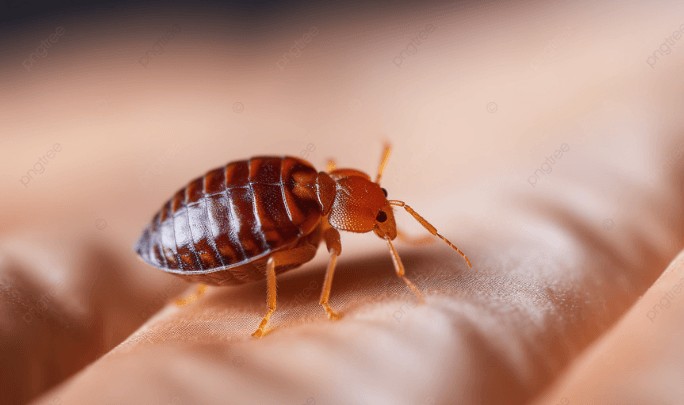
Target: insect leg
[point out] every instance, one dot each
(302, 253)
(332, 242)
(201, 289)
(414, 240)
(330, 165)
(383, 162)
(270, 296)
(327, 285)
(399, 268)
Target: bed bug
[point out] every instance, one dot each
(253, 219)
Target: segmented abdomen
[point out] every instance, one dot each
(231, 216)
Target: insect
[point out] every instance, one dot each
(253, 219)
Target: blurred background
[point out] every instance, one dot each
(107, 108)
(147, 95)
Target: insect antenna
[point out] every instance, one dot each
(428, 226)
(383, 161)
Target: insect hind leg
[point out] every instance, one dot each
(201, 289)
(414, 240)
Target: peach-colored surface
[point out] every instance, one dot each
(640, 360)
(539, 138)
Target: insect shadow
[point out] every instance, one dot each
(359, 282)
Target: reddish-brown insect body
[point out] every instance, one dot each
(221, 227)
(252, 219)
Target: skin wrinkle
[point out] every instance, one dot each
(57, 321)
(652, 371)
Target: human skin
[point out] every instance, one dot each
(642, 354)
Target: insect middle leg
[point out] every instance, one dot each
(270, 296)
(298, 255)
(332, 241)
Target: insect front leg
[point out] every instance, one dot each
(401, 273)
(332, 242)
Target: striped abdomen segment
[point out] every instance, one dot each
(232, 215)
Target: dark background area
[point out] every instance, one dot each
(16, 12)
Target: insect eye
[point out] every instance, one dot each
(384, 192)
(382, 217)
